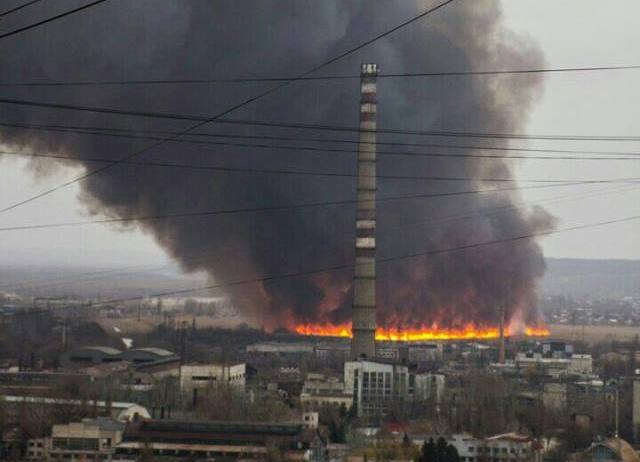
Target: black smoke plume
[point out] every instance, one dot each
(147, 39)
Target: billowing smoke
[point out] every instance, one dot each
(198, 39)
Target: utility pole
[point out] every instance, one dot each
(64, 334)
(501, 352)
(617, 409)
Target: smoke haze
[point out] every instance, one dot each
(200, 39)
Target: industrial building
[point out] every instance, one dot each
(118, 410)
(195, 378)
(280, 348)
(188, 440)
(90, 439)
(96, 355)
(38, 382)
(90, 355)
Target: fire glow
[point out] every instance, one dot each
(393, 334)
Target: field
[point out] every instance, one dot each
(593, 334)
(131, 324)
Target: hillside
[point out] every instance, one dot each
(607, 278)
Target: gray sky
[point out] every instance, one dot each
(570, 32)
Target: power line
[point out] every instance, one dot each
(344, 266)
(66, 279)
(508, 208)
(446, 219)
(91, 83)
(276, 208)
(322, 127)
(339, 174)
(381, 260)
(116, 131)
(229, 110)
(19, 7)
(106, 132)
(50, 19)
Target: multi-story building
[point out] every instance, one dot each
(580, 365)
(557, 349)
(205, 375)
(423, 387)
(37, 448)
(195, 378)
(337, 350)
(377, 386)
(573, 364)
(319, 383)
(424, 352)
(90, 439)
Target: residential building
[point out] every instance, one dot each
(508, 447)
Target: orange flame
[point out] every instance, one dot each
(423, 333)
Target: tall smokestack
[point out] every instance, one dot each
(501, 355)
(364, 280)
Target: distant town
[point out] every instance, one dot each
(157, 378)
(319, 231)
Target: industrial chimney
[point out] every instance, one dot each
(364, 280)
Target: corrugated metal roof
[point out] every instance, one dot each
(155, 351)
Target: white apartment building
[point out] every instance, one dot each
(376, 386)
(508, 447)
